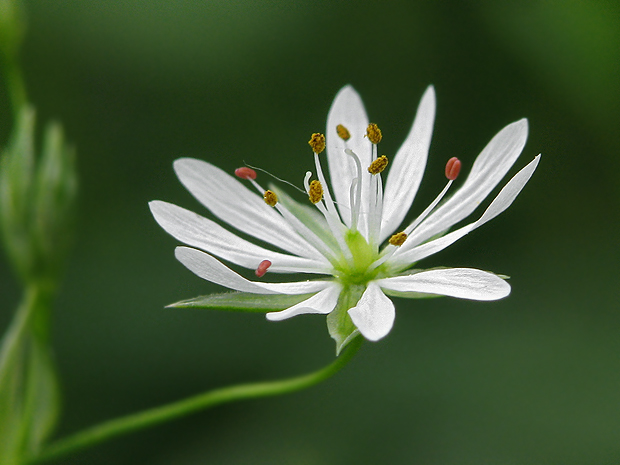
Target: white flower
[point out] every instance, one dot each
(352, 235)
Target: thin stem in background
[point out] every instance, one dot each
(135, 422)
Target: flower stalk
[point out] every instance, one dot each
(182, 408)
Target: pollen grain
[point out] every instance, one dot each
(271, 198)
(315, 192)
(374, 133)
(378, 165)
(343, 132)
(317, 142)
(398, 239)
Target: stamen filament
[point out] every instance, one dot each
(335, 225)
(390, 249)
(301, 229)
(374, 206)
(430, 208)
(327, 197)
(355, 206)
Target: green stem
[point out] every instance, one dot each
(15, 84)
(11, 343)
(157, 415)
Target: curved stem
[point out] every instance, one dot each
(14, 83)
(10, 343)
(141, 420)
(17, 88)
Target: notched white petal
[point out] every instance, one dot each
(349, 111)
(321, 303)
(374, 313)
(198, 231)
(234, 203)
(207, 267)
(503, 200)
(408, 166)
(488, 170)
(463, 283)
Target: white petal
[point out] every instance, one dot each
(374, 313)
(408, 166)
(503, 200)
(200, 232)
(235, 204)
(464, 283)
(349, 111)
(322, 303)
(211, 269)
(489, 168)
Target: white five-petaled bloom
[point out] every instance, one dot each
(352, 233)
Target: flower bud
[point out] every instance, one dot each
(37, 196)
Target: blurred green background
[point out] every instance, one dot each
(533, 379)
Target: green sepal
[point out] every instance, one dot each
(410, 295)
(339, 324)
(242, 302)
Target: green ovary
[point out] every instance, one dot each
(364, 255)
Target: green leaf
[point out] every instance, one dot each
(339, 323)
(242, 301)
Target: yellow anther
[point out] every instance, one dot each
(374, 133)
(271, 198)
(398, 239)
(343, 132)
(378, 165)
(317, 142)
(315, 192)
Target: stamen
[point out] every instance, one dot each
(315, 192)
(333, 220)
(398, 239)
(374, 133)
(453, 168)
(378, 165)
(343, 132)
(387, 252)
(271, 198)
(262, 268)
(428, 209)
(355, 206)
(245, 173)
(298, 226)
(276, 178)
(317, 142)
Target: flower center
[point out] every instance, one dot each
(358, 270)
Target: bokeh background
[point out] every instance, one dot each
(532, 379)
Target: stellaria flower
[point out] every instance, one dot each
(352, 236)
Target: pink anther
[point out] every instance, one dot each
(245, 173)
(453, 167)
(262, 268)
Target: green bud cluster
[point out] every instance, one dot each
(37, 196)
